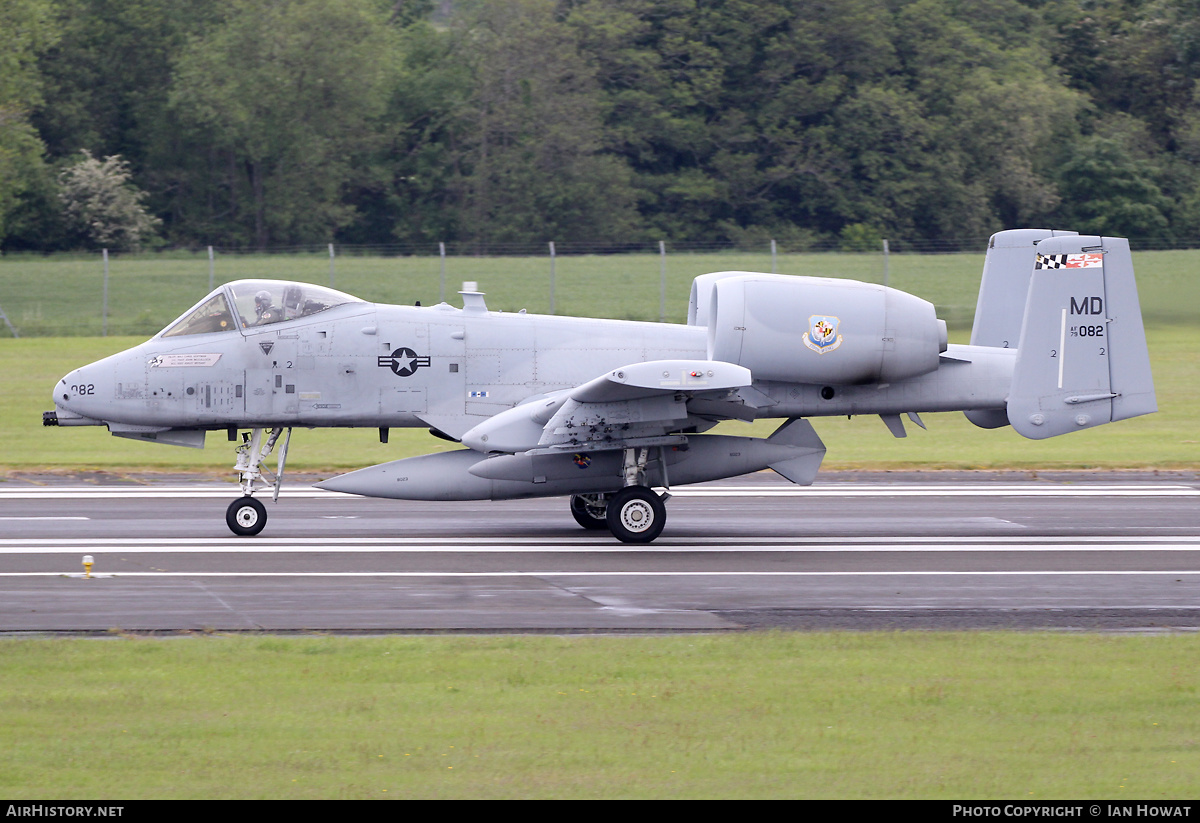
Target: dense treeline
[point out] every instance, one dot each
(274, 122)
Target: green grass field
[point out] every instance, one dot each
(764, 715)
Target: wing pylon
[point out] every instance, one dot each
(639, 405)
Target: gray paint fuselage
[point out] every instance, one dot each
(376, 365)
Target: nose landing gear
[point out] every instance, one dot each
(247, 516)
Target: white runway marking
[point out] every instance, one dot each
(45, 518)
(561, 573)
(840, 490)
(584, 545)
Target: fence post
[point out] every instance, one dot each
(4, 317)
(210, 268)
(442, 287)
(104, 301)
(331, 281)
(662, 281)
(772, 257)
(552, 277)
(885, 262)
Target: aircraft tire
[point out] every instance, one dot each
(636, 515)
(246, 517)
(583, 515)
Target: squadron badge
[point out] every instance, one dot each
(822, 334)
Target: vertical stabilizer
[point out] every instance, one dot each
(1001, 305)
(1081, 358)
(1005, 284)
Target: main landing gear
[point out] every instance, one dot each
(635, 514)
(247, 516)
(589, 510)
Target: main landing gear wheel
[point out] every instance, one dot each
(636, 515)
(587, 514)
(246, 517)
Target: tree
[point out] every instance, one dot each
(26, 29)
(1108, 191)
(287, 95)
(533, 160)
(99, 199)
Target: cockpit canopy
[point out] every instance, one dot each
(245, 304)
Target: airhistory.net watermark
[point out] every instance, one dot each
(46, 810)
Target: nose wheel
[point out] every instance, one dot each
(246, 517)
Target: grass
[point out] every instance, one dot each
(764, 715)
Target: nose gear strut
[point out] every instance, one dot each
(247, 516)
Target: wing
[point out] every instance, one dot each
(636, 405)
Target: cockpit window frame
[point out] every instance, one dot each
(282, 301)
(285, 301)
(214, 310)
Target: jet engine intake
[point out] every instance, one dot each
(822, 330)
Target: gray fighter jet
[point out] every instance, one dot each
(607, 411)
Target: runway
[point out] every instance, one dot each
(953, 550)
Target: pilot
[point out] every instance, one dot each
(264, 310)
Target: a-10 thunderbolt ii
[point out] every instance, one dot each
(606, 411)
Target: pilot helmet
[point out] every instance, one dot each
(262, 301)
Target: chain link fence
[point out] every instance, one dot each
(102, 293)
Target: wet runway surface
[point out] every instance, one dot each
(855, 551)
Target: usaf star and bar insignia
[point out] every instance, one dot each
(403, 362)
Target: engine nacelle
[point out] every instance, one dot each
(821, 330)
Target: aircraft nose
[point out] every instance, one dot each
(75, 394)
(62, 393)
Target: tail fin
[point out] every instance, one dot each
(801, 470)
(1002, 291)
(1081, 355)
